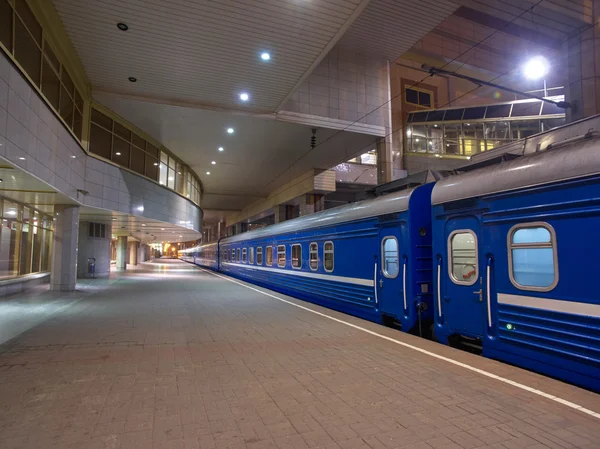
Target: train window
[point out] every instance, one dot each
(390, 263)
(281, 255)
(297, 256)
(533, 264)
(269, 255)
(463, 263)
(313, 252)
(328, 256)
(237, 255)
(244, 255)
(259, 256)
(228, 256)
(251, 256)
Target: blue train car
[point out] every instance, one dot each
(370, 259)
(206, 256)
(514, 250)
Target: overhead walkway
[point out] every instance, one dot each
(170, 356)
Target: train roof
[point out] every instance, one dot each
(572, 158)
(386, 204)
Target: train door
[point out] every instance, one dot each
(390, 273)
(465, 308)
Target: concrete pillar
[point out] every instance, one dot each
(141, 253)
(122, 252)
(311, 203)
(385, 161)
(63, 276)
(133, 253)
(583, 84)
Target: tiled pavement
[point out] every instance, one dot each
(172, 357)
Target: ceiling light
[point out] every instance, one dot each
(162, 229)
(265, 56)
(122, 26)
(118, 154)
(180, 236)
(114, 218)
(536, 68)
(244, 96)
(22, 158)
(73, 156)
(1, 180)
(214, 162)
(208, 173)
(133, 79)
(178, 172)
(143, 224)
(221, 149)
(230, 130)
(141, 208)
(156, 164)
(12, 212)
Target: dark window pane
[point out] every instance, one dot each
(77, 124)
(66, 79)
(138, 163)
(549, 108)
(151, 150)
(152, 168)
(435, 116)
(454, 114)
(425, 99)
(526, 109)
(27, 52)
(420, 117)
(138, 141)
(120, 153)
(410, 117)
(474, 113)
(78, 101)
(50, 84)
(30, 21)
(498, 111)
(51, 57)
(66, 106)
(121, 131)
(100, 141)
(412, 96)
(6, 24)
(100, 119)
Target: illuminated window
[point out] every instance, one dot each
(390, 263)
(281, 255)
(244, 255)
(313, 252)
(463, 261)
(251, 256)
(259, 256)
(296, 256)
(269, 255)
(328, 256)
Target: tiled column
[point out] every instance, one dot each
(311, 203)
(583, 85)
(133, 253)
(122, 252)
(385, 162)
(141, 253)
(63, 276)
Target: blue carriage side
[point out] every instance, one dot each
(514, 250)
(206, 255)
(370, 259)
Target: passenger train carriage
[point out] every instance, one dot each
(502, 258)
(515, 249)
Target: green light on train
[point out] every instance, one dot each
(510, 327)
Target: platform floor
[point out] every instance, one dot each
(169, 356)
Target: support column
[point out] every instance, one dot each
(141, 253)
(63, 276)
(133, 253)
(122, 252)
(583, 85)
(311, 203)
(385, 165)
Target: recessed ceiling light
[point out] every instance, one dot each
(178, 172)
(214, 162)
(122, 26)
(141, 208)
(156, 164)
(133, 79)
(244, 96)
(208, 173)
(230, 130)
(73, 156)
(162, 229)
(221, 149)
(265, 56)
(143, 224)
(114, 218)
(118, 154)
(22, 158)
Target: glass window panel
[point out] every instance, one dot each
(244, 255)
(171, 179)
(37, 243)
(172, 163)
(9, 244)
(29, 20)
(412, 96)
(498, 111)
(164, 158)
(46, 250)
(497, 130)
(68, 82)
(251, 255)
(281, 255)
(526, 109)
(120, 152)
(66, 107)
(25, 247)
(420, 117)
(179, 178)
(474, 113)
(533, 267)
(100, 141)
(138, 141)
(463, 258)
(435, 116)
(52, 59)
(259, 256)
(151, 150)
(27, 52)
(452, 138)
(531, 235)
(238, 257)
(314, 256)
(6, 25)
(50, 84)
(78, 101)
(151, 167)
(390, 263)
(138, 162)
(101, 119)
(269, 255)
(77, 124)
(425, 99)
(454, 114)
(526, 128)
(163, 174)
(297, 256)
(328, 256)
(122, 132)
(549, 108)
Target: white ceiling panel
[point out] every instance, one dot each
(205, 51)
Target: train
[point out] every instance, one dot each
(498, 257)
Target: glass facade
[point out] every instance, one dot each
(25, 240)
